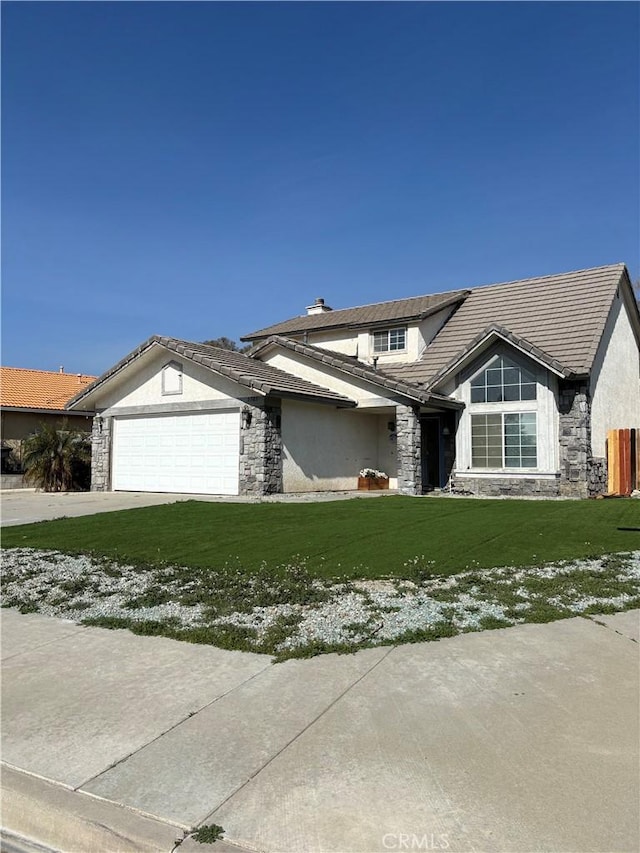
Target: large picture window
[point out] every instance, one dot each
(502, 381)
(390, 340)
(504, 440)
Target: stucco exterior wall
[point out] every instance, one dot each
(615, 379)
(327, 377)
(343, 341)
(16, 426)
(19, 425)
(359, 342)
(142, 384)
(323, 449)
(387, 447)
(429, 327)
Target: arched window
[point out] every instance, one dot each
(503, 381)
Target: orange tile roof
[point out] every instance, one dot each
(39, 389)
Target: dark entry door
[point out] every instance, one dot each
(431, 454)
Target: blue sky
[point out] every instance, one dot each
(205, 169)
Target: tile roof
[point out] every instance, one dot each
(236, 366)
(561, 316)
(22, 388)
(397, 310)
(353, 367)
(492, 332)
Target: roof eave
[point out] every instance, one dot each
(117, 368)
(263, 334)
(39, 411)
(525, 347)
(341, 403)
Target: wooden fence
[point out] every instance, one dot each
(623, 461)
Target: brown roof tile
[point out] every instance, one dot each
(563, 316)
(246, 371)
(22, 388)
(397, 310)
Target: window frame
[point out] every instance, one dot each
(526, 379)
(174, 365)
(503, 415)
(389, 332)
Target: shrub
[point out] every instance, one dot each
(57, 459)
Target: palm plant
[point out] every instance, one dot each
(57, 459)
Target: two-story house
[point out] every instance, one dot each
(501, 389)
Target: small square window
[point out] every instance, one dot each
(390, 340)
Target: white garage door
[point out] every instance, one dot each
(195, 454)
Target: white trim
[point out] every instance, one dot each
(177, 367)
(388, 329)
(476, 351)
(546, 422)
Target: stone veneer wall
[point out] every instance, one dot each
(575, 438)
(101, 454)
(13, 481)
(408, 451)
(597, 482)
(509, 486)
(261, 450)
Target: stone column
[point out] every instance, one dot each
(598, 480)
(574, 407)
(409, 451)
(101, 454)
(261, 449)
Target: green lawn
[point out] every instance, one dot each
(356, 538)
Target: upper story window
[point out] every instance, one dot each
(172, 378)
(502, 381)
(390, 340)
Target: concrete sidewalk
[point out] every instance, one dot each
(512, 740)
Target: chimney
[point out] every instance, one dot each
(61, 369)
(318, 307)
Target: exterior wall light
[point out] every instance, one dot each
(246, 418)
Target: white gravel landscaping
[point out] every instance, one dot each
(345, 614)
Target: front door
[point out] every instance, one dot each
(431, 454)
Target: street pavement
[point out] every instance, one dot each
(512, 740)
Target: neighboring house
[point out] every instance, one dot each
(29, 398)
(502, 389)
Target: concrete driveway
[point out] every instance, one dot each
(511, 740)
(25, 506)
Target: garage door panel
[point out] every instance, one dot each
(191, 453)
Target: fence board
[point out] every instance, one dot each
(623, 461)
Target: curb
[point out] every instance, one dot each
(41, 815)
(65, 820)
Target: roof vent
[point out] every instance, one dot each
(61, 369)
(318, 307)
